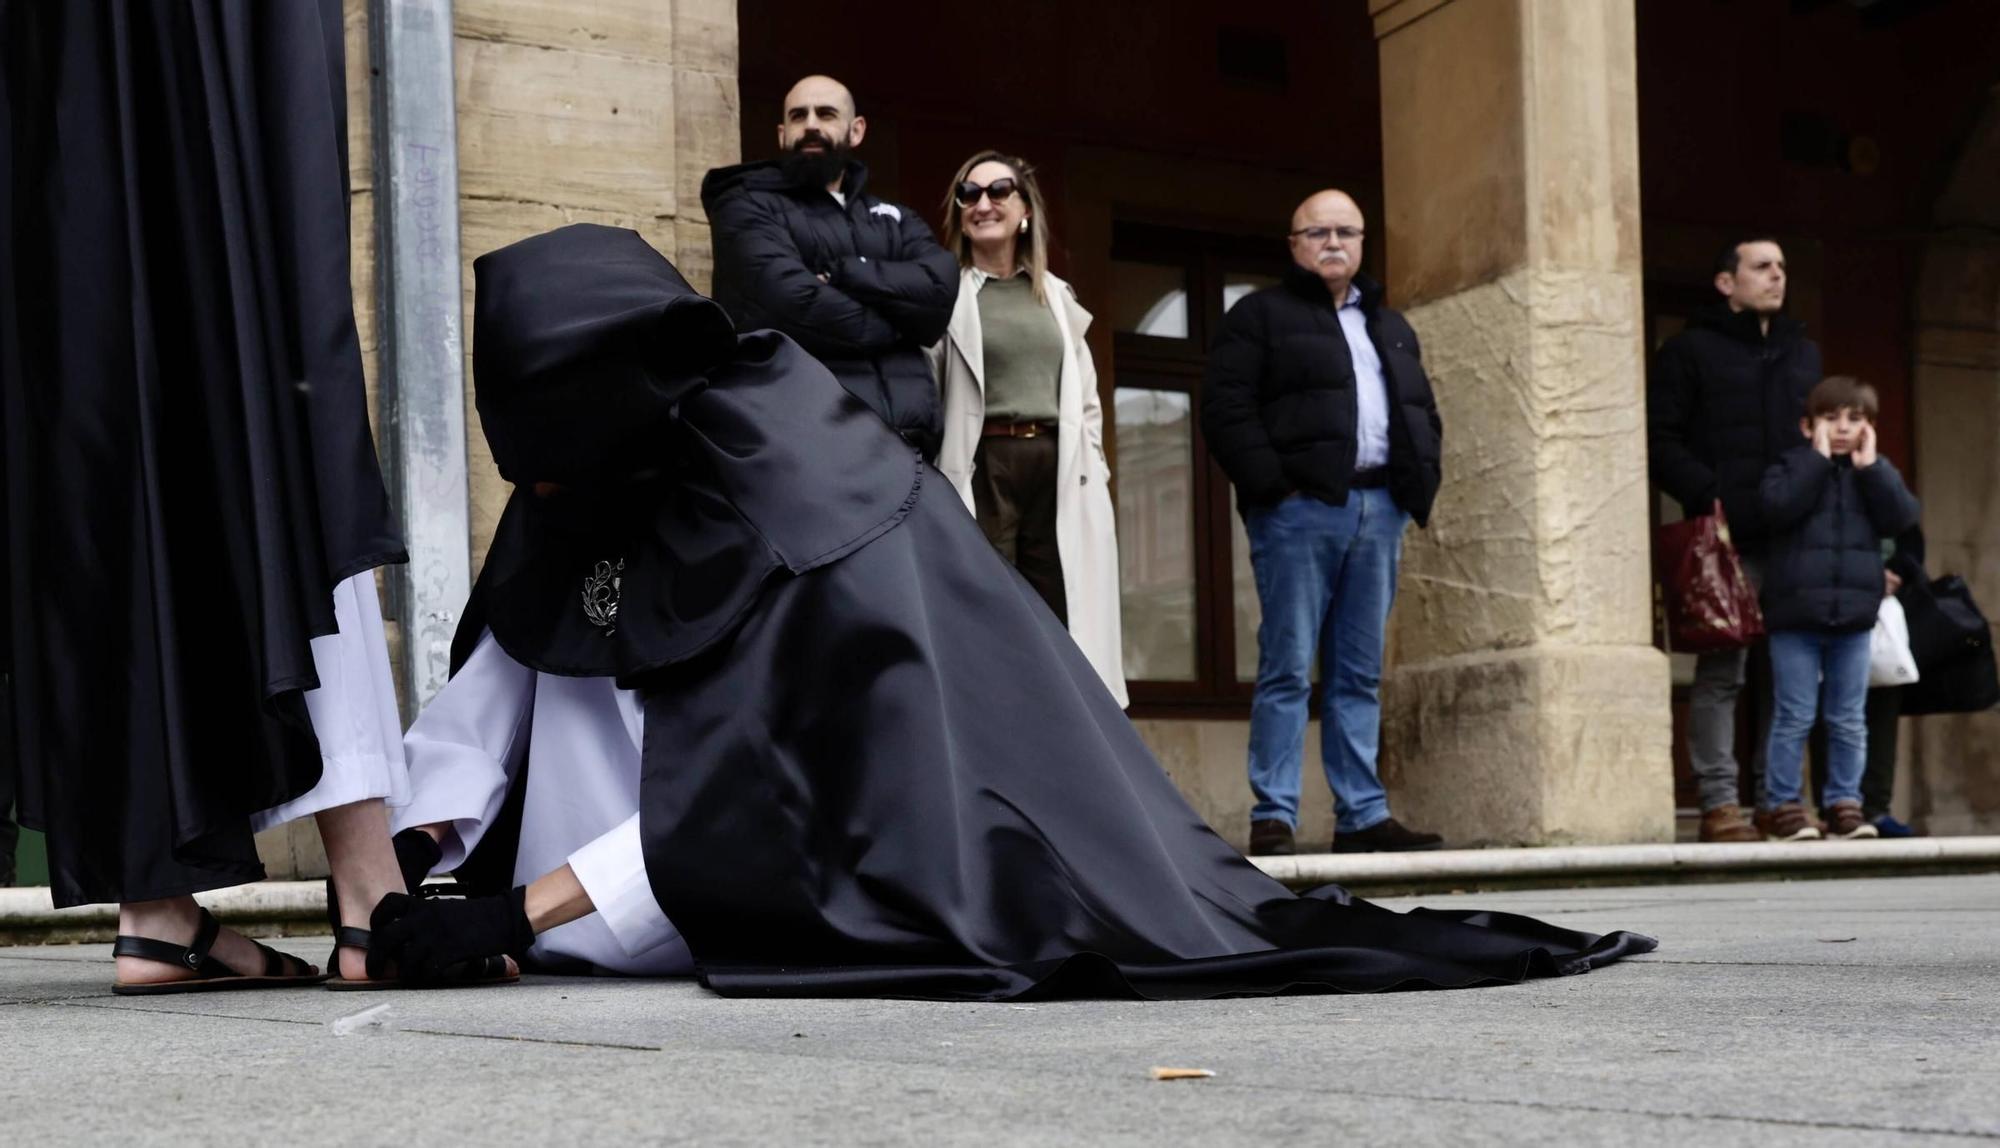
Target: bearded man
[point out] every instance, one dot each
(803, 249)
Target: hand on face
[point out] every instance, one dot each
(1822, 437)
(1864, 447)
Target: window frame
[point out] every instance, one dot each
(1207, 259)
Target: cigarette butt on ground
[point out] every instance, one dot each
(1181, 1074)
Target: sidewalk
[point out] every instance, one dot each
(280, 908)
(1823, 1013)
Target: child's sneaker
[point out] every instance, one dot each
(1762, 821)
(1844, 820)
(1790, 822)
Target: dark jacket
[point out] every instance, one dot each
(1723, 402)
(1278, 404)
(1826, 521)
(889, 292)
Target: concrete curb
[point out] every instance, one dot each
(278, 908)
(28, 916)
(1633, 864)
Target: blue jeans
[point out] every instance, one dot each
(1326, 576)
(1813, 670)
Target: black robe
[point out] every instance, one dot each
(874, 763)
(188, 471)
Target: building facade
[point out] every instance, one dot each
(1545, 182)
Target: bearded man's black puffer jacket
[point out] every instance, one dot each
(887, 293)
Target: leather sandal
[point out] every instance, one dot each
(281, 970)
(472, 974)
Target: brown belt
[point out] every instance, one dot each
(999, 429)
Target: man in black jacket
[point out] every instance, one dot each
(1724, 400)
(801, 248)
(1317, 407)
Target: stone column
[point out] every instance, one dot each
(1954, 760)
(1525, 703)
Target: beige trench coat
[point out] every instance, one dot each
(1086, 533)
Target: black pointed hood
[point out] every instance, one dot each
(584, 338)
(690, 466)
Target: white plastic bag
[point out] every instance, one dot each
(1889, 660)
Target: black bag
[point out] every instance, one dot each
(1953, 646)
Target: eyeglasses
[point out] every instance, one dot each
(1319, 234)
(999, 191)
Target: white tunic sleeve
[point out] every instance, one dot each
(464, 748)
(353, 712)
(612, 869)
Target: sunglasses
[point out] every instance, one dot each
(999, 191)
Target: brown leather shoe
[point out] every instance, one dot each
(1271, 839)
(1389, 836)
(1727, 823)
(1790, 822)
(1762, 821)
(1844, 819)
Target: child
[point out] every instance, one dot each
(1828, 506)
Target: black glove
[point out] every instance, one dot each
(426, 936)
(416, 855)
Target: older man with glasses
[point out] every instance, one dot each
(1317, 407)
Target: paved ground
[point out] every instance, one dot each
(1825, 1013)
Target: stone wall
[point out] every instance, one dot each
(603, 111)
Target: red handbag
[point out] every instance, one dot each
(1710, 604)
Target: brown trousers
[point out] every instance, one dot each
(1014, 498)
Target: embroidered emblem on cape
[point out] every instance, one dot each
(888, 209)
(600, 595)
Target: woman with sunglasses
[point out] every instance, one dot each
(1023, 429)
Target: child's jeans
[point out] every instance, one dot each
(1810, 669)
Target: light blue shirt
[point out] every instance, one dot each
(1371, 388)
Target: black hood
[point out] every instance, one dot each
(769, 175)
(584, 338)
(690, 466)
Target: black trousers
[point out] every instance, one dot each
(1014, 498)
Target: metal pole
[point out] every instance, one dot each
(422, 373)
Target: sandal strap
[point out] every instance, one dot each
(349, 937)
(277, 964)
(194, 957)
(204, 940)
(484, 969)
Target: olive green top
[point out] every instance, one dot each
(1023, 350)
